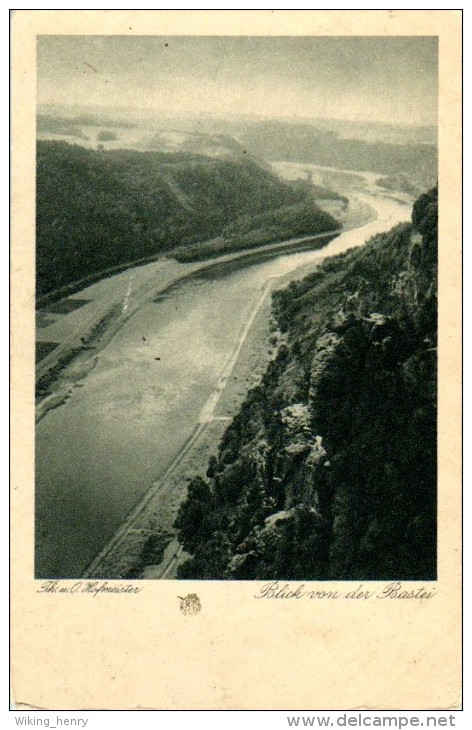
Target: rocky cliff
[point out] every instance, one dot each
(329, 469)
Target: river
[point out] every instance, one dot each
(98, 453)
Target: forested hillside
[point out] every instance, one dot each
(99, 209)
(329, 469)
(275, 140)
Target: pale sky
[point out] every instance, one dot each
(363, 78)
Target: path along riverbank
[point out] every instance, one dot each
(132, 420)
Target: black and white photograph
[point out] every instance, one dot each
(236, 332)
(236, 307)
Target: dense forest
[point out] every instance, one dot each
(98, 209)
(329, 469)
(249, 231)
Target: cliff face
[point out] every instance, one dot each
(329, 469)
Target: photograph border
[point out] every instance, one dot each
(232, 602)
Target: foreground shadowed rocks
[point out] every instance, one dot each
(329, 469)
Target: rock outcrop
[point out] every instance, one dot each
(329, 469)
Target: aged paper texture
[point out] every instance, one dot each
(92, 641)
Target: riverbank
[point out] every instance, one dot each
(136, 422)
(150, 525)
(354, 390)
(63, 369)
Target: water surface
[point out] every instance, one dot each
(97, 454)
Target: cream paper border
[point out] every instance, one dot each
(126, 652)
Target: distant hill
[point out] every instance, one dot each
(380, 132)
(99, 131)
(328, 472)
(274, 140)
(404, 157)
(211, 145)
(98, 209)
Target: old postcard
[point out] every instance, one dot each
(236, 333)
